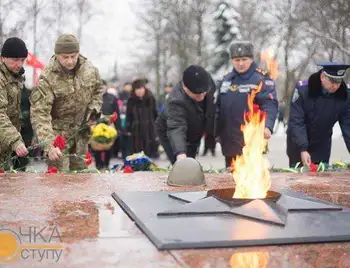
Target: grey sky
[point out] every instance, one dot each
(107, 38)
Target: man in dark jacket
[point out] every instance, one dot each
(232, 100)
(187, 114)
(316, 105)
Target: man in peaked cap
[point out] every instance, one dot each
(68, 93)
(232, 100)
(13, 55)
(187, 114)
(316, 105)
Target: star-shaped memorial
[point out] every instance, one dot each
(215, 219)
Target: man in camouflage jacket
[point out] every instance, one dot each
(13, 55)
(68, 94)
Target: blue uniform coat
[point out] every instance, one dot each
(313, 114)
(232, 104)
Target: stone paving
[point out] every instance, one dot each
(95, 232)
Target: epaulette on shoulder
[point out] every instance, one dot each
(226, 74)
(261, 71)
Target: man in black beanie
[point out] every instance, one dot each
(187, 115)
(13, 56)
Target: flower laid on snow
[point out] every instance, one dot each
(140, 162)
(52, 170)
(313, 167)
(128, 169)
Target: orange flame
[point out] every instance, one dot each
(251, 169)
(249, 260)
(271, 63)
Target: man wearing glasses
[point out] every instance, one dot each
(316, 105)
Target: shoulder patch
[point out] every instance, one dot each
(269, 82)
(302, 83)
(295, 95)
(225, 86)
(35, 96)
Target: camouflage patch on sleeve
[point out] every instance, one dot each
(36, 96)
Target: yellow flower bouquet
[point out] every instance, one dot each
(103, 137)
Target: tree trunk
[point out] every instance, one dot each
(158, 64)
(200, 35)
(35, 18)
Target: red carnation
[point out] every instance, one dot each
(113, 118)
(2, 171)
(88, 159)
(128, 169)
(60, 142)
(52, 170)
(313, 167)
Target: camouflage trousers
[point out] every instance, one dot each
(73, 158)
(5, 161)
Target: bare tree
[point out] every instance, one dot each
(85, 12)
(8, 8)
(60, 9)
(152, 30)
(200, 8)
(34, 9)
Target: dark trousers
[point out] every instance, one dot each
(102, 159)
(209, 144)
(116, 147)
(191, 150)
(125, 145)
(228, 160)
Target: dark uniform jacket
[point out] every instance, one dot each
(184, 121)
(232, 104)
(313, 113)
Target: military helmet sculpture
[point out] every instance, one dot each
(186, 172)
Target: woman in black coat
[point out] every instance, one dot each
(141, 113)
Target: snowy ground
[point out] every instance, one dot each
(277, 153)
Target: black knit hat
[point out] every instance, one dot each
(14, 48)
(196, 79)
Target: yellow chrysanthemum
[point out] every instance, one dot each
(103, 130)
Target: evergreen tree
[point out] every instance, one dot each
(226, 30)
